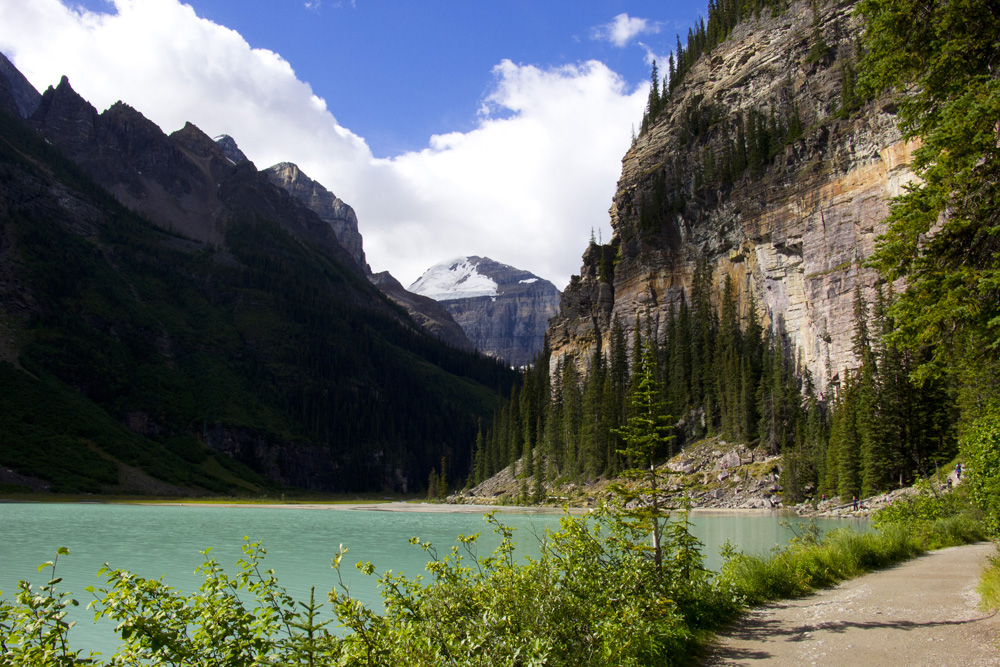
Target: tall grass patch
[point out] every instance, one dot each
(989, 586)
(808, 563)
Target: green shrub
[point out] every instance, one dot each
(935, 520)
(981, 448)
(807, 564)
(592, 597)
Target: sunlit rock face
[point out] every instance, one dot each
(330, 208)
(795, 233)
(503, 310)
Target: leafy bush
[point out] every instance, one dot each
(981, 448)
(592, 597)
(935, 520)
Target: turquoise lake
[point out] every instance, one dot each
(155, 541)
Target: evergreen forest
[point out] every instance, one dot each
(925, 386)
(715, 376)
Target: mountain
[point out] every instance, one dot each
(330, 208)
(432, 317)
(183, 183)
(230, 149)
(15, 88)
(426, 313)
(503, 310)
(173, 322)
(764, 167)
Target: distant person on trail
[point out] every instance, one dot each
(855, 500)
(958, 471)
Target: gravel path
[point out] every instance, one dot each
(923, 612)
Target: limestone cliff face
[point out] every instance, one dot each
(794, 232)
(330, 208)
(503, 310)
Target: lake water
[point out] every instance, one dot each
(154, 541)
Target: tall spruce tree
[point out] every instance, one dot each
(646, 435)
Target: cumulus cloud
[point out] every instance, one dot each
(524, 187)
(652, 56)
(527, 187)
(624, 28)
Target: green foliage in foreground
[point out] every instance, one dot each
(981, 447)
(989, 586)
(592, 597)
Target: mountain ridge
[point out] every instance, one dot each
(503, 310)
(249, 353)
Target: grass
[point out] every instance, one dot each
(989, 586)
(808, 563)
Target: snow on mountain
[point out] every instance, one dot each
(503, 310)
(454, 279)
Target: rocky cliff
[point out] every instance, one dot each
(793, 228)
(429, 315)
(17, 89)
(230, 149)
(504, 311)
(432, 317)
(330, 208)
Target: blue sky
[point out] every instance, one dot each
(448, 125)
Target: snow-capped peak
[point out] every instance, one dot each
(454, 279)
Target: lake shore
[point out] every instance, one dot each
(375, 505)
(454, 508)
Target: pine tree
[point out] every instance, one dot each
(646, 435)
(433, 492)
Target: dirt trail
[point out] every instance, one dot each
(923, 612)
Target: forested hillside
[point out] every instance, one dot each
(757, 189)
(134, 359)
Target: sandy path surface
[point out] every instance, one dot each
(923, 612)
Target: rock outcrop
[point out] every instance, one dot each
(183, 182)
(794, 233)
(330, 208)
(16, 89)
(504, 311)
(432, 317)
(230, 149)
(427, 313)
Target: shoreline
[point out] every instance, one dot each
(404, 506)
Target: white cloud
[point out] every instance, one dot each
(624, 28)
(525, 187)
(662, 61)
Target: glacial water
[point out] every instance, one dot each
(155, 541)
